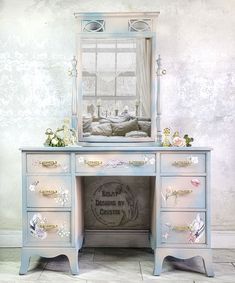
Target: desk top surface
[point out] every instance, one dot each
(101, 147)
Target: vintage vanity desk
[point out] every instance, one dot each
(117, 186)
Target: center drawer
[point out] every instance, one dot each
(48, 191)
(128, 163)
(48, 228)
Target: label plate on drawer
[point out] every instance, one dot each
(183, 163)
(127, 163)
(183, 192)
(49, 191)
(48, 163)
(52, 228)
(183, 228)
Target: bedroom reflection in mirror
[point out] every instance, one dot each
(116, 88)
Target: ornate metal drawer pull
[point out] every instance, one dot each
(93, 163)
(183, 192)
(137, 162)
(176, 193)
(181, 228)
(48, 227)
(182, 163)
(48, 192)
(49, 163)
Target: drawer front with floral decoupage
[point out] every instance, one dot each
(183, 163)
(48, 228)
(183, 192)
(48, 191)
(183, 228)
(125, 163)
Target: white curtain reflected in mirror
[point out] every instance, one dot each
(143, 67)
(116, 79)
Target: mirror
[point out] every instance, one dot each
(116, 101)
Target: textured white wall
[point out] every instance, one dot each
(196, 40)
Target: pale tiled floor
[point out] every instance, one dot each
(116, 266)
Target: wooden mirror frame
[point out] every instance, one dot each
(117, 25)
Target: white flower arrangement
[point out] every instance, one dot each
(63, 136)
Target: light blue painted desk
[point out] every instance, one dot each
(53, 221)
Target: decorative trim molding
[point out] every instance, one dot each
(219, 239)
(10, 238)
(223, 239)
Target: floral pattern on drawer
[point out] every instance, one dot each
(48, 163)
(49, 227)
(183, 163)
(128, 163)
(183, 228)
(48, 191)
(184, 192)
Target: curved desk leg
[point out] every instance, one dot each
(73, 261)
(158, 261)
(207, 262)
(161, 253)
(25, 258)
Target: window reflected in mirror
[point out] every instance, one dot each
(116, 91)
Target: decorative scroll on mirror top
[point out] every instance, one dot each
(93, 26)
(116, 87)
(136, 25)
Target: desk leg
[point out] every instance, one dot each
(207, 262)
(158, 261)
(73, 261)
(25, 257)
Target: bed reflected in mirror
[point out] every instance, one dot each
(116, 89)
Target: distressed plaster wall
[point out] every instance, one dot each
(196, 40)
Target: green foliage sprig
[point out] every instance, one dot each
(188, 140)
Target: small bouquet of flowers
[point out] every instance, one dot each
(175, 140)
(63, 136)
